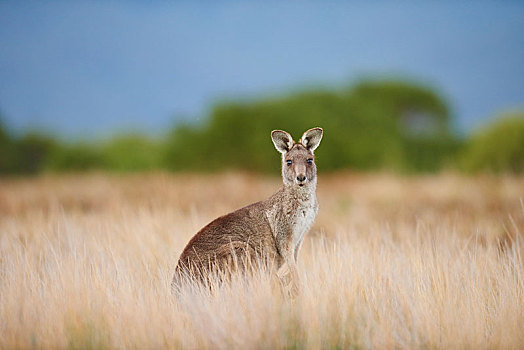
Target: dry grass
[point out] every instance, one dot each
(392, 262)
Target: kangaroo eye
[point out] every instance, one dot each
(310, 161)
(288, 162)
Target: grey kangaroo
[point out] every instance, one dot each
(270, 230)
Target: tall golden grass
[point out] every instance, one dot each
(391, 262)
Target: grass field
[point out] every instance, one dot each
(391, 262)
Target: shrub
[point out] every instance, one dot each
(32, 152)
(131, 153)
(387, 124)
(7, 152)
(75, 157)
(498, 147)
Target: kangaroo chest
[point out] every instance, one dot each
(302, 221)
(290, 218)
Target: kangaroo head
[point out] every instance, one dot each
(298, 160)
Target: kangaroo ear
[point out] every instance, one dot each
(311, 138)
(282, 141)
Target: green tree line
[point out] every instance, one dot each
(373, 125)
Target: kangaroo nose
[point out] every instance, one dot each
(301, 178)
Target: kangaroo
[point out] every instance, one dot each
(270, 230)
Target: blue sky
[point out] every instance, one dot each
(93, 68)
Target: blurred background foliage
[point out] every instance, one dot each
(373, 125)
(498, 147)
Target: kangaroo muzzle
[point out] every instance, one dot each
(301, 178)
